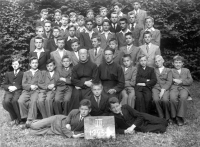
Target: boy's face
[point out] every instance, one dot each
(159, 62)
(38, 43)
(72, 32)
(108, 56)
(132, 18)
(117, 9)
(113, 45)
(149, 23)
(57, 16)
(60, 44)
(95, 43)
(15, 65)
(89, 26)
(136, 5)
(127, 62)
(47, 27)
(103, 13)
(129, 39)
(99, 21)
(90, 15)
(75, 46)
(96, 90)
(123, 25)
(115, 108)
(44, 15)
(50, 67)
(34, 64)
(56, 33)
(143, 61)
(40, 32)
(81, 22)
(66, 62)
(147, 38)
(83, 55)
(106, 26)
(64, 21)
(84, 111)
(73, 18)
(178, 64)
(114, 18)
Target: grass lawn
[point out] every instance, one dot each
(185, 136)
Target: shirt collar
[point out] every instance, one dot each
(86, 31)
(37, 50)
(42, 19)
(32, 70)
(98, 98)
(151, 29)
(161, 68)
(120, 14)
(126, 31)
(64, 28)
(106, 32)
(69, 37)
(137, 11)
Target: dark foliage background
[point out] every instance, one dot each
(178, 20)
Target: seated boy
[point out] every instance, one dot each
(179, 92)
(28, 99)
(43, 19)
(128, 94)
(128, 120)
(64, 88)
(40, 53)
(118, 54)
(13, 89)
(68, 126)
(75, 44)
(145, 80)
(57, 16)
(96, 53)
(98, 101)
(149, 49)
(47, 87)
(39, 33)
(161, 90)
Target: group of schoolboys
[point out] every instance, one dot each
(69, 59)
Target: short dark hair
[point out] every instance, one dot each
(33, 58)
(47, 22)
(72, 26)
(112, 100)
(126, 55)
(65, 56)
(88, 20)
(97, 84)
(98, 38)
(141, 56)
(50, 61)
(38, 37)
(14, 59)
(178, 58)
(106, 20)
(113, 39)
(60, 38)
(117, 4)
(129, 33)
(109, 49)
(74, 40)
(147, 32)
(85, 102)
(124, 19)
(56, 28)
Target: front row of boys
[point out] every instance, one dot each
(39, 88)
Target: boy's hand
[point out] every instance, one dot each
(141, 84)
(34, 87)
(77, 87)
(51, 86)
(111, 91)
(88, 83)
(161, 93)
(12, 88)
(63, 79)
(177, 81)
(68, 126)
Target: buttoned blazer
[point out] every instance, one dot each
(98, 58)
(51, 45)
(85, 40)
(74, 58)
(130, 76)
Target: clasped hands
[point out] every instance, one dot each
(12, 88)
(143, 84)
(51, 87)
(177, 81)
(34, 87)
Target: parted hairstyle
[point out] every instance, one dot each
(50, 61)
(33, 58)
(85, 102)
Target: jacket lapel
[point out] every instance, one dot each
(41, 55)
(74, 56)
(116, 53)
(99, 53)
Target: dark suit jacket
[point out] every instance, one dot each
(74, 58)
(136, 33)
(51, 45)
(32, 44)
(121, 39)
(115, 30)
(130, 76)
(12, 80)
(85, 40)
(64, 74)
(44, 56)
(143, 75)
(50, 35)
(102, 109)
(104, 40)
(68, 44)
(55, 24)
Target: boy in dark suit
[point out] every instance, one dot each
(145, 80)
(129, 121)
(72, 33)
(75, 44)
(121, 35)
(99, 102)
(28, 99)
(81, 25)
(57, 16)
(44, 15)
(128, 94)
(179, 92)
(13, 88)
(98, 20)
(67, 126)
(52, 43)
(115, 27)
(47, 30)
(47, 87)
(85, 37)
(117, 7)
(96, 53)
(40, 53)
(64, 27)
(63, 87)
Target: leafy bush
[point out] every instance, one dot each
(178, 21)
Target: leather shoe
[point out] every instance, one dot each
(180, 121)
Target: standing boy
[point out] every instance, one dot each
(104, 13)
(81, 25)
(98, 20)
(72, 33)
(52, 43)
(73, 19)
(64, 27)
(128, 94)
(117, 7)
(43, 19)
(57, 16)
(47, 30)
(75, 44)
(115, 27)
(179, 92)
(13, 89)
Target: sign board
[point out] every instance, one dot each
(96, 127)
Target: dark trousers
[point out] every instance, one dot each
(62, 99)
(10, 104)
(143, 99)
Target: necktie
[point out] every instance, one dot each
(15, 73)
(81, 118)
(99, 27)
(147, 48)
(98, 101)
(95, 51)
(128, 48)
(132, 27)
